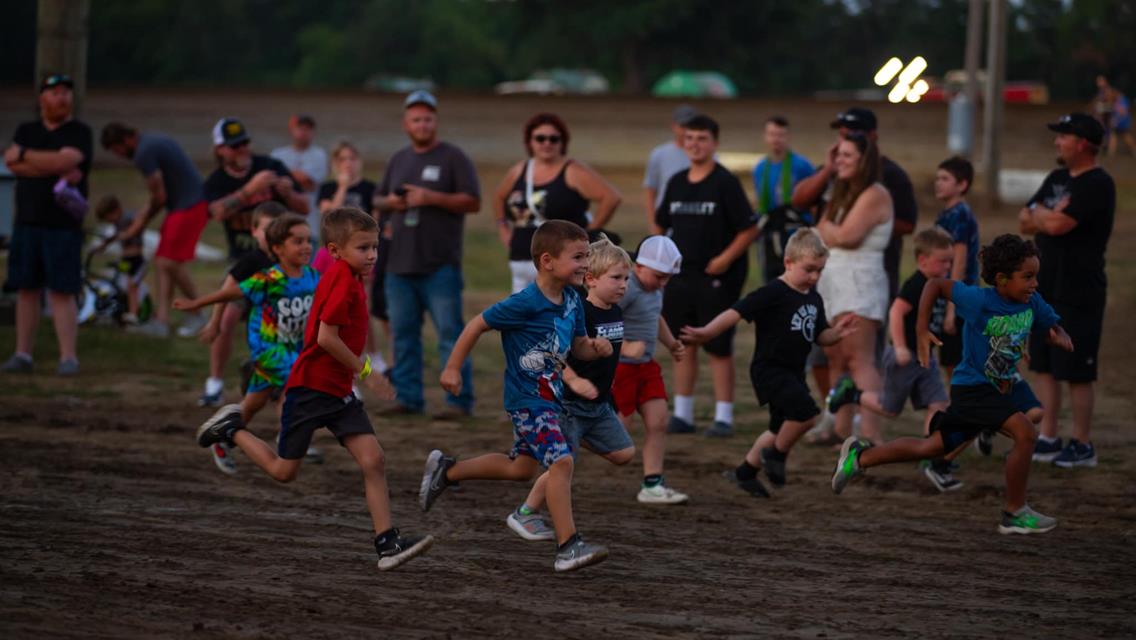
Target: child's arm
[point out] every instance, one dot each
(229, 291)
(899, 310)
(934, 289)
(579, 385)
(212, 328)
(699, 335)
(451, 375)
(328, 339)
(837, 332)
(675, 346)
(585, 348)
(958, 272)
(1058, 338)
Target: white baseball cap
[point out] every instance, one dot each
(659, 253)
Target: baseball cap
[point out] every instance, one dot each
(659, 253)
(1081, 125)
(421, 96)
(856, 119)
(55, 80)
(683, 114)
(229, 132)
(302, 118)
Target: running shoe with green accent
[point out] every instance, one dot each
(844, 392)
(531, 527)
(1026, 521)
(848, 465)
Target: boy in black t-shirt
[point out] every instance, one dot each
(788, 316)
(588, 407)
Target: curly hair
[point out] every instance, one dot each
(1005, 255)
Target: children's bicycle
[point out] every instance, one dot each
(103, 296)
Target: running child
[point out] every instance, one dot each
(987, 392)
(903, 376)
(588, 414)
(788, 318)
(318, 392)
(638, 384)
(952, 182)
(539, 326)
(131, 262)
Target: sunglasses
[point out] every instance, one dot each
(541, 139)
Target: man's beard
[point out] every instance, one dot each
(56, 114)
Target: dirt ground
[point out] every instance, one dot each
(114, 524)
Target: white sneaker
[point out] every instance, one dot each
(194, 323)
(313, 456)
(222, 457)
(661, 494)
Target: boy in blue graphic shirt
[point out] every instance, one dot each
(539, 326)
(987, 391)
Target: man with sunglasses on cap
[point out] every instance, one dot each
(47, 238)
(308, 164)
(666, 160)
(1071, 216)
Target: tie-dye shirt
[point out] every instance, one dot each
(279, 310)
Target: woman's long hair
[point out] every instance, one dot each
(868, 172)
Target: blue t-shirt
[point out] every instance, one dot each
(960, 222)
(536, 335)
(994, 334)
(800, 169)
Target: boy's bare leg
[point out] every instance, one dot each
(686, 372)
(859, 349)
(369, 456)
(753, 456)
(252, 403)
(265, 457)
(1020, 430)
(535, 499)
(1049, 392)
(654, 414)
(873, 401)
(559, 492)
(791, 431)
(493, 466)
(903, 450)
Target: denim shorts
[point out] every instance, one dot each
(538, 435)
(596, 424)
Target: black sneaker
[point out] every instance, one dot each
(753, 486)
(398, 549)
(774, 468)
(434, 480)
(678, 425)
(939, 473)
(844, 392)
(221, 427)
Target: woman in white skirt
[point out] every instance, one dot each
(857, 227)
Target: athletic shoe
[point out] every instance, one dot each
(720, 430)
(753, 486)
(1046, 451)
(68, 368)
(985, 443)
(210, 399)
(678, 425)
(661, 494)
(401, 549)
(848, 465)
(193, 324)
(313, 456)
(940, 477)
(17, 364)
(844, 392)
(579, 554)
(1076, 454)
(530, 527)
(153, 328)
(1025, 521)
(223, 459)
(434, 480)
(774, 468)
(220, 427)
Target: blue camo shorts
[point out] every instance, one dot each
(537, 434)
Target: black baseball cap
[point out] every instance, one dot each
(1081, 125)
(55, 80)
(855, 119)
(229, 132)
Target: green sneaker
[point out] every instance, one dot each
(848, 465)
(845, 392)
(1026, 520)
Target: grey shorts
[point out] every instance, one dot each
(596, 424)
(923, 386)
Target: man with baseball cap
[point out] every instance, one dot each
(666, 160)
(308, 164)
(47, 238)
(1071, 216)
(428, 189)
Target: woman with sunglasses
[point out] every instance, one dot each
(857, 226)
(547, 186)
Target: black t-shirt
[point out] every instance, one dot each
(787, 323)
(238, 227)
(897, 183)
(249, 264)
(910, 293)
(35, 201)
(601, 323)
(703, 218)
(1072, 265)
(553, 200)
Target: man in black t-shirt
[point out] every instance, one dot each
(47, 155)
(1071, 215)
(705, 212)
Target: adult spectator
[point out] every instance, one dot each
(547, 186)
(1071, 215)
(429, 187)
(773, 180)
(47, 238)
(666, 160)
(857, 227)
(705, 211)
(174, 185)
(307, 163)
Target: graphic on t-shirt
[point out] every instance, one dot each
(693, 208)
(279, 311)
(804, 320)
(1007, 336)
(549, 356)
(521, 213)
(431, 173)
(611, 331)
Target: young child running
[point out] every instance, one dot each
(318, 392)
(904, 377)
(588, 414)
(638, 382)
(539, 326)
(279, 299)
(788, 317)
(986, 389)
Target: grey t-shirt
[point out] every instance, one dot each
(665, 161)
(641, 311)
(158, 152)
(425, 239)
(312, 161)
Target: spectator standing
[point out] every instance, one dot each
(773, 180)
(666, 160)
(308, 165)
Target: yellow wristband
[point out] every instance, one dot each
(366, 370)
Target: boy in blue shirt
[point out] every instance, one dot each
(952, 182)
(539, 326)
(987, 392)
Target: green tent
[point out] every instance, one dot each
(694, 84)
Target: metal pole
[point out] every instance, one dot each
(973, 53)
(992, 114)
(61, 43)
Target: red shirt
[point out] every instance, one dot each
(341, 301)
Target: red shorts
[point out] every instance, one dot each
(635, 384)
(180, 232)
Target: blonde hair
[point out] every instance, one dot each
(805, 242)
(343, 145)
(603, 255)
(930, 239)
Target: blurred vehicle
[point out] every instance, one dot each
(557, 82)
(1017, 92)
(390, 83)
(694, 84)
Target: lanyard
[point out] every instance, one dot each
(766, 200)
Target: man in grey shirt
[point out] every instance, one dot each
(428, 188)
(666, 160)
(307, 163)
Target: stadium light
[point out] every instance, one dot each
(917, 90)
(888, 71)
(908, 85)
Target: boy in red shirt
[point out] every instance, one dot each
(318, 392)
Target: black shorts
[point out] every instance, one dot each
(950, 354)
(786, 393)
(1083, 323)
(43, 257)
(306, 410)
(131, 267)
(978, 408)
(694, 299)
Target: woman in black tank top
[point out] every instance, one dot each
(548, 186)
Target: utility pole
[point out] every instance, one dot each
(61, 43)
(973, 53)
(992, 114)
